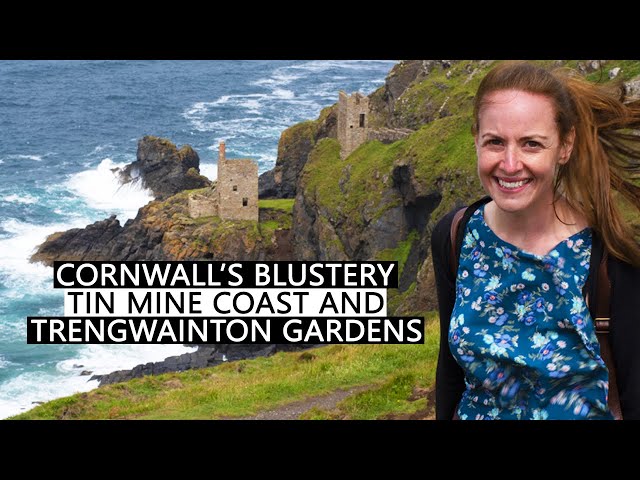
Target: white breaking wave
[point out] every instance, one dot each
(322, 65)
(35, 158)
(21, 276)
(283, 94)
(26, 199)
(278, 78)
(20, 393)
(100, 148)
(252, 105)
(3, 362)
(203, 115)
(100, 188)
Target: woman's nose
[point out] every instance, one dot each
(511, 161)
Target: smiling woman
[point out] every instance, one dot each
(518, 339)
(519, 151)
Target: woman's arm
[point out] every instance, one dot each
(449, 375)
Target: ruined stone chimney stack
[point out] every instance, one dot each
(222, 152)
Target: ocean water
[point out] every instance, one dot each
(65, 124)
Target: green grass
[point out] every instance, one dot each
(324, 160)
(438, 95)
(268, 227)
(628, 70)
(390, 397)
(247, 387)
(351, 188)
(284, 204)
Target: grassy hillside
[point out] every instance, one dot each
(441, 151)
(391, 374)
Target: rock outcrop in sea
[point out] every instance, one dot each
(164, 169)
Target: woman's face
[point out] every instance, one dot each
(518, 149)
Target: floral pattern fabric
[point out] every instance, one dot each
(522, 333)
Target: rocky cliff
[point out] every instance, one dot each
(164, 169)
(383, 200)
(163, 229)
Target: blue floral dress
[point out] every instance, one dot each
(522, 333)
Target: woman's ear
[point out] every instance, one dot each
(567, 146)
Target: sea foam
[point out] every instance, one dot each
(18, 273)
(35, 158)
(24, 199)
(100, 188)
(22, 392)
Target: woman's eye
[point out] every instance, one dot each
(532, 144)
(494, 142)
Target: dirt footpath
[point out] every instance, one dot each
(329, 401)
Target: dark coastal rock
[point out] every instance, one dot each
(103, 240)
(164, 169)
(165, 231)
(406, 207)
(267, 187)
(89, 243)
(205, 356)
(402, 75)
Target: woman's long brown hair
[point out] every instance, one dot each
(606, 150)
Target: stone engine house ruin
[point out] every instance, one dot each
(235, 194)
(352, 121)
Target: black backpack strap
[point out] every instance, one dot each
(455, 226)
(598, 295)
(460, 220)
(603, 296)
(597, 289)
(602, 323)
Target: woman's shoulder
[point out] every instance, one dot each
(441, 234)
(443, 226)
